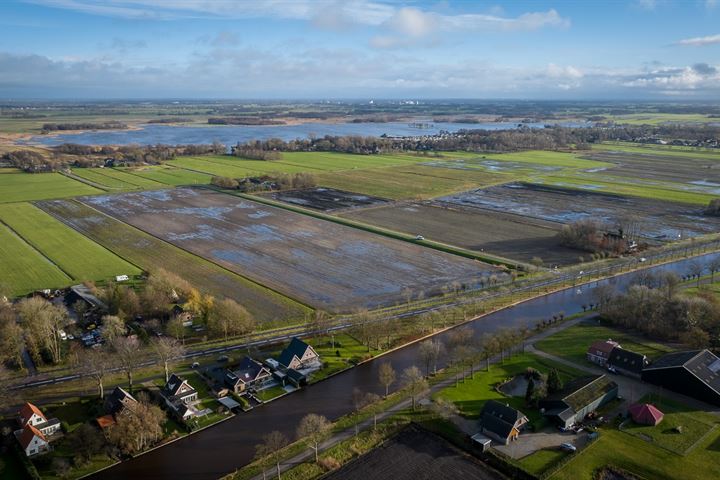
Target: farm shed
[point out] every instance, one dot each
(501, 422)
(579, 397)
(695, 374)
(645, 414)
(627, 362)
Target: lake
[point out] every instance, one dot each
(231, 134)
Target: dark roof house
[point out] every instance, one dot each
(178, 390)
(578, 398)
(627, 362)
(118, 401)
(298, 355)
(501, 422)
(695, 374)
(249, 373)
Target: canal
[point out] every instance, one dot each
(224, 448)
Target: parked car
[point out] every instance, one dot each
(568, 447)
(612, 369)
(223, 359)
(195, 365)
(419, 237)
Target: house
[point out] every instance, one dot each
(177, 390)
(501, 422)
(645, 414)
(627, 362)
(695, 374)
(249, 374)
(599, 352)
(180, 397)
(118, 401)
(31, 415)
(578, 398)
(299, 355)
(32, 441)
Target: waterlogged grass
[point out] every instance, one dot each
(150, 253)
(74, 253)
(23, 269)
(23, 187)
(548, 158)
(572, 343)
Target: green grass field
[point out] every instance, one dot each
(572, 343)
(23, 187)
(409, 182)
(470, 396)
(168, 175)
(74, 253)
(694, 426)
(347, 349)
(95, 176)
(646, 459)
(659, 118)
(23, 269)
(665, 150)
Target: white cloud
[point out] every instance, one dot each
(647, 4)
(699, 41)
(710, 4)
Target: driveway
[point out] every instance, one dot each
(528, 443)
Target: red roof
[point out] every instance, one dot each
(603, 346)
(27, 411)
(105, 421)
(29, 432)
(645, 414)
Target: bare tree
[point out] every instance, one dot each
(12, 341)
(696, 270)
(414, 382)
(42, 322)
(176, 328)
(713, 267)
(112, 328)
(96, 365)
(386, 374)
(137, 430)
(315, 428)
(168, 350)
(489, 347)
(129, 355)
(429, 351)
(271, 446)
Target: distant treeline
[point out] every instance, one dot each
(523, 138)
(253, 153)
(112, 125)
(170, 120)
(76, 155)
(243, 121)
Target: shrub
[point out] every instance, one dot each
(329, 464)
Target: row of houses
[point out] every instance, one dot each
(291, 367)
(694, 373)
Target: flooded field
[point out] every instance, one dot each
(327, 199)
(511, 236)
(322, 264)
(653, 219)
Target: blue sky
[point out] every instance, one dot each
(634, 49)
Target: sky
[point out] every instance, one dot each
(384, 49)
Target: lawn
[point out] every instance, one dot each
(471, 394)
(572, 343)
(23, 187)
(694, 426)
(270, 393)
(23, 269)
(548, 158)
(665, 150)
(630, 453)
(347, 351)
(75, 254)
(538, 462)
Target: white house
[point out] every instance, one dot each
(30, 415)
(32, 441)
(299, 355)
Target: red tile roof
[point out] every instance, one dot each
(603, 346)
(27, 411)
(29, 432)
(646, 414)
(105, 421)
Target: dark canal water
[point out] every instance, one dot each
(231, 134)
(230, 445)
